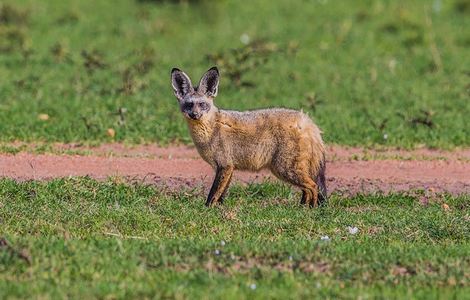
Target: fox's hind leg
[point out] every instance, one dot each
(301, 179)
(306, 196)
(309, 192)
(303, 201)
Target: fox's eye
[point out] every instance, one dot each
(187, 106)
(204, 105)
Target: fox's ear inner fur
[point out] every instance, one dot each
(181, 83)
(209, 83)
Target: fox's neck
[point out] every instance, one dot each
(202, 130)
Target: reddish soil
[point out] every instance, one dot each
(349, 170)
(335, 152)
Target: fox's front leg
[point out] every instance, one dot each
(223, 175)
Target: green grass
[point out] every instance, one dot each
(362, 69)
(79, 238)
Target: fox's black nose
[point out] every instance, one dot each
(193, 115)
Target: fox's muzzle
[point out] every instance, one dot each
(194, 115)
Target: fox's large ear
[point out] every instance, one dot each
(209, 83)
(181, 83)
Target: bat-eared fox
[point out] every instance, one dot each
(284, 141)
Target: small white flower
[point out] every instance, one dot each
(290, 257)
(222, 243)
(325, 238)
(385, 136)
(353, 230)
(217, 252)
(245, 38)
(253, 286)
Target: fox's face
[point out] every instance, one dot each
(195, 102)
(194, 106)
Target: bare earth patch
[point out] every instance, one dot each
(349, 170)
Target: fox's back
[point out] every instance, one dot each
(255, 125)
(252, 139)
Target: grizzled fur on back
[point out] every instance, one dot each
(284, 141)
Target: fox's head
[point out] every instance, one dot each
(195, 102)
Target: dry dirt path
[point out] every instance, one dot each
(349, 170)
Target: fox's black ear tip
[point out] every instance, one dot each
(214, 68)
(175, 70)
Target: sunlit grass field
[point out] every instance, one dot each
(370, 73)
(392, 73)
(78, 238)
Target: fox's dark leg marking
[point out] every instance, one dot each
(321, 183)
(223, 175)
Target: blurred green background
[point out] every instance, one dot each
(393, 73)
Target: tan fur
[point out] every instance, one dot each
(284, 141)
(258, 139)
